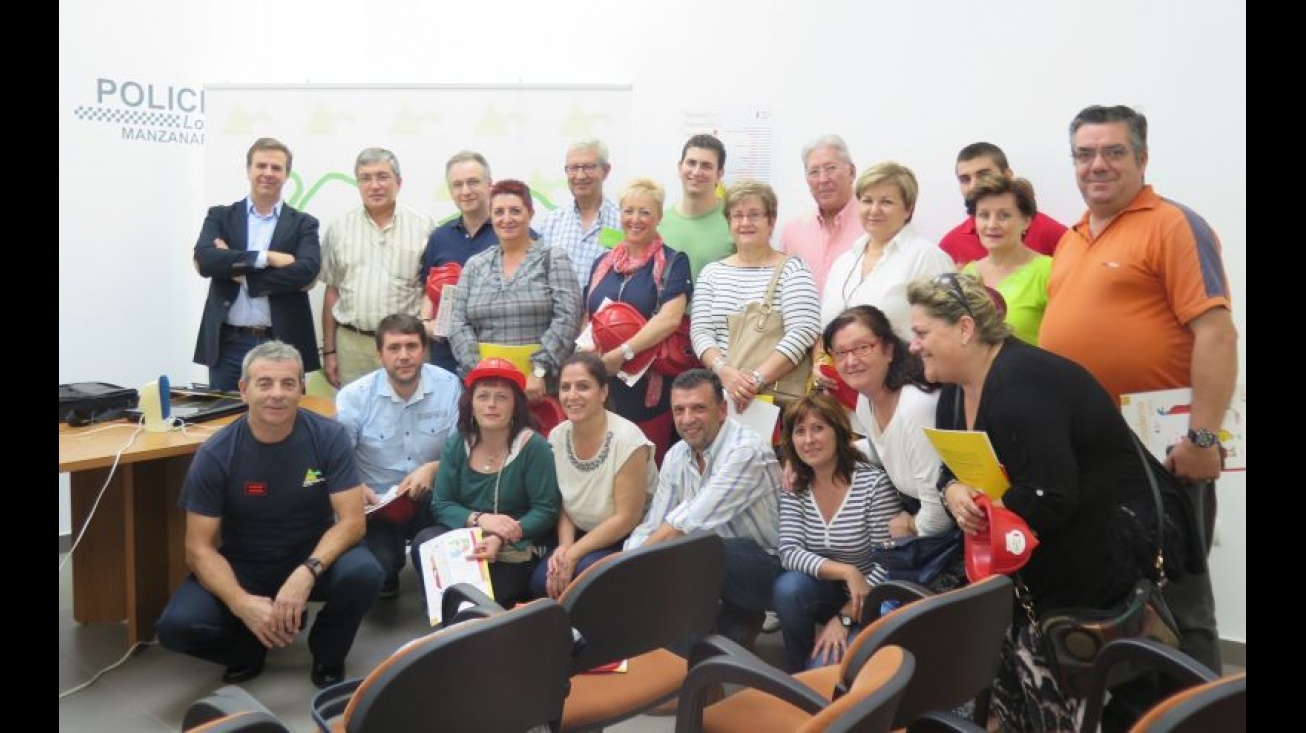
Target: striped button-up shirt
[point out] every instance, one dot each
(736, 495)
(375, 269)
(562, 228)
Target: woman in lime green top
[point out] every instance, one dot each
(1003, 208)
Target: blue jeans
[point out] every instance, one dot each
(195, 622)
(802, 601)
(746, 594)
(225, 375)
(540, 579)
(386, 539)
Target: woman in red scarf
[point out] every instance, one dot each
(654, 278)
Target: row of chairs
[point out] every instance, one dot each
(489, 669)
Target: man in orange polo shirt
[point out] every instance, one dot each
(1139, 297)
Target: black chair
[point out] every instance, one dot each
(630, 606)
(955, 637)
(1198, 700)
(230, 709)
(507, 671)
(869, 706)
(1218, 705)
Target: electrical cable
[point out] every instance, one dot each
(94, 678)
(139, 428)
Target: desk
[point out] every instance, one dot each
(132, 556)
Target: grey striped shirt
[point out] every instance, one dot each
(735, 496)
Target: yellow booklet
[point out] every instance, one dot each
(520, 356)
(969, 455)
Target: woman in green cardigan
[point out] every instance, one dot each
(497, 473)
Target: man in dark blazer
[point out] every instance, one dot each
(261, 257)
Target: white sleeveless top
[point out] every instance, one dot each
(587, 486)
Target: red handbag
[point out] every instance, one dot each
(675, 354)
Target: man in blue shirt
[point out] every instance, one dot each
(455, 241)
(398, 418)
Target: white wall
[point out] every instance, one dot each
(910, 82)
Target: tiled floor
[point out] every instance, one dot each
(151, 690)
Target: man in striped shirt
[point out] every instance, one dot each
(370, 260)
(721, 477)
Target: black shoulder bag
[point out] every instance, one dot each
(1073, 637)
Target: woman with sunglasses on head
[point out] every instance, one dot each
(895, 404)
(876, 269)
(496, 473)
(830, 523)
(1003, 208)
(605, 471)
(1076, 475)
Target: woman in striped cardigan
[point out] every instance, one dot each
(837, 512)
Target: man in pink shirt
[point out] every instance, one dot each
(821, 236)
(962, 243)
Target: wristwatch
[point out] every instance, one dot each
(627, 353)
(846, 620)
(758, 380)
(314, 566)
(540, 372)
(1202, 438)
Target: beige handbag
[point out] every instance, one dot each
(754, 335)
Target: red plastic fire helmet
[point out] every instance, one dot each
(496, 367)
(1003, 548)
(615, 325)
(548, 411)
(847, 396)
(439, 276)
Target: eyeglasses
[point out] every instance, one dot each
(1111, 154)
(368, 178)
(582, 167)
(466, 183)
(859, 351)
(952, 286)
(828, 170)
(753, 217)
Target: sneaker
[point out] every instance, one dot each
(771, 623)
(390, 588)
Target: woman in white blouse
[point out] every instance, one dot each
(895, 404)
(879, 265)
(605, 471)
(726, 286)
(830, 524)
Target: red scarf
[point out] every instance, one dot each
(621, 261)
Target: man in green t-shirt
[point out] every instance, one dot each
(697, 225)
